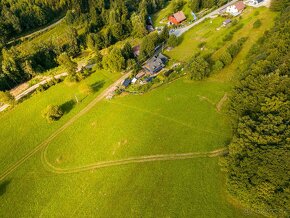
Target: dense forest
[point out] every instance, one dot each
(104, 22)
(18, 16)
(258, 164)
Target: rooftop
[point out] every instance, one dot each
(179, 16)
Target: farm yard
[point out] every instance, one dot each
(150, 155)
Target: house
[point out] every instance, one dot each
(236, 9)
(136, 50)
(126, 82)
(177, 18)
(155, 64)
(226, 22)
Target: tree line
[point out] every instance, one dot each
(257, 165)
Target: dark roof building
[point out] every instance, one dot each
(155, 64)
(126, 82)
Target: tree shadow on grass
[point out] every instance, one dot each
(3, 187)
(98, 85)
(67, 106)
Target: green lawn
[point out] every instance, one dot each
(180, 117)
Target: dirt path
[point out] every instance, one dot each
(131, 160)
(100, 97)
(221, 102)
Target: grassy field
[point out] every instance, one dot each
(34, 129)
(180, 117)
(207, 32)
(177, 118)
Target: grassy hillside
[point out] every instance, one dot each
(180, 117)
(177, 118)
(22, 138)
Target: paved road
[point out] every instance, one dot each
(42, 145)
(179, 32)
(36, 32)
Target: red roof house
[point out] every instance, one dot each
(177, 18)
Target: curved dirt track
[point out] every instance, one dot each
(141, 159)
(100, 97)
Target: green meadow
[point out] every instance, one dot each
(182, 117)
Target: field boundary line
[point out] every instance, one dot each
(131, 160)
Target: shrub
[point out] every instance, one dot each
(168, 72)
(228, 37)
(235, 48)
(52, 113)
(198, 68)
(226, 58)
(86, 89)
(173, 41)
(201, 45)
(71, 78)
(6, 98)
(238, 27)
(234, 22)
(257, 24)
(218, 66)
(41, 88)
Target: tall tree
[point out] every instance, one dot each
(68, 63)
(138, 24)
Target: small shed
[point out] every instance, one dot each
(226, 22)
(134, 80)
